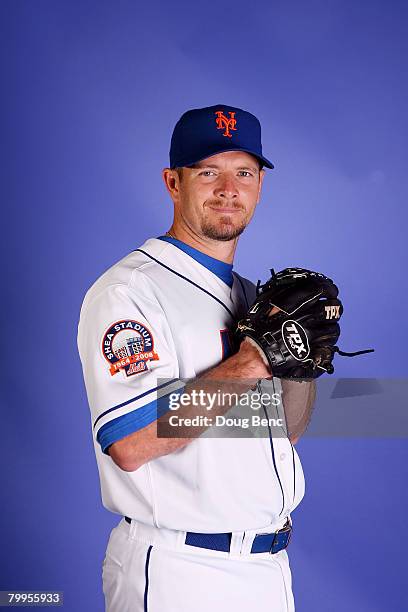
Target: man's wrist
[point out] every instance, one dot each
(253, 359)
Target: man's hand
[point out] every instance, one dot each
(248, 362)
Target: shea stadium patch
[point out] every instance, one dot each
(128, 346)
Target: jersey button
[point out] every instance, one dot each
(282, 456)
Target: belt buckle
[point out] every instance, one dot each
(287, 528)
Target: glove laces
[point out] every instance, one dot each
(344, 354)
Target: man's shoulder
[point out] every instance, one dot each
(131, 271)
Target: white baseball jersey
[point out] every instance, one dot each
(157, 316)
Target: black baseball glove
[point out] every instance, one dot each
(299, 340)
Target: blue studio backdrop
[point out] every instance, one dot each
(91, 91)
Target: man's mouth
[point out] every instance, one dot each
(226, 209)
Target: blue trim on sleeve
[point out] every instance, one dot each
(133, 399)
(219, 268)
(122, 426)
(126, 424)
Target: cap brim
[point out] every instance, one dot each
(263, 160)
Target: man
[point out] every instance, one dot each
(205, 519)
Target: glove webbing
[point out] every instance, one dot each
(335, 348)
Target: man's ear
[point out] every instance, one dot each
(172, 182)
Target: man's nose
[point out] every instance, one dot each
(226, 187)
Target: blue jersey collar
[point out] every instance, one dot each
(219, 268)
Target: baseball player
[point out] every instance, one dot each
(205, 521)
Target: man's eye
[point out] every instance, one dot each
(206, 173)
(244, 173)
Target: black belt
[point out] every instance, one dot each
(263, 542)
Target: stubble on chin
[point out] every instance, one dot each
(223, 230)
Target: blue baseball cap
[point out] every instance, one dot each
(202, 132)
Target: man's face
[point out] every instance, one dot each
(217, 197)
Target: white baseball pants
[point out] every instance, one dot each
(147, 569)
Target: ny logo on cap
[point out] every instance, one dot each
(224, 123)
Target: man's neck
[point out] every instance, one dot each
(224, 251)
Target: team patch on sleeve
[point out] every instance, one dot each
(128, 346)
